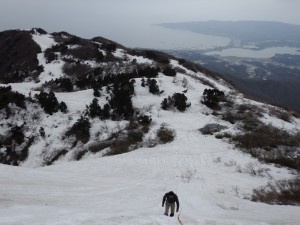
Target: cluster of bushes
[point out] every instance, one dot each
(271, 144)
(152, 84)
(60, 85)
(148, 72)
(49, 103)
(122, 141)
(284, 192)
(95, 110)
(85, 50)
(109, 47)
(15, 150)
(7, 96)
(89, 52)
(88, 78)
(281, 114)
(130, 139)
(245, 116)
(266, 137)
(50, 55)
(76, 69)
(178, 100)
(156, 56)
(119, 106)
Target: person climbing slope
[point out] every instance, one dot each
(170, 198)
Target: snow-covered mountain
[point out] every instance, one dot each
(120, 127)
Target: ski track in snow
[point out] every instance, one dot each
(127, 189)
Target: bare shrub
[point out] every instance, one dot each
(125, 142)
(97, 147)
(246, 108)
(217, 160)
(223, 135)
(211, 128)
(78, 155)
(228, 208)
(295, 114)
(250, 122)
(230, 163)
(284, 192)
(238, 169)
(231, 117)
(165, 135)
(255, 169)
(185, 82)
(188, 175)
(281, 114)
(247, 120)
(180, 70)
(55, 156)
(236, 190)
(283, 156)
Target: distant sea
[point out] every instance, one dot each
(250, 53)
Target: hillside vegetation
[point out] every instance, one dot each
(90, 99)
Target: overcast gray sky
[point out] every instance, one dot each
(121, 20)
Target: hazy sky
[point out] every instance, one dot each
(121, 20)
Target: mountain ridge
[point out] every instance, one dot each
(111, 75)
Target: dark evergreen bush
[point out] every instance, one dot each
(120, 102)
(7, 96)
(157, 56)
(50, 55)
(153, 87)
(81, 130)
(96, 92)
(168, 71)
(143, 84)
(148, 72)
(144, 120)
(94, 109)
(49, 102)
(167, 103)
(212, 97)
(65, 84)
(63, 107)
(110, 47)
(60, 85)
(178, 100)
(42, 132)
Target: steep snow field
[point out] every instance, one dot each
(206, 173)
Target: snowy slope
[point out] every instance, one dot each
(207, 173)
(127, 189)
